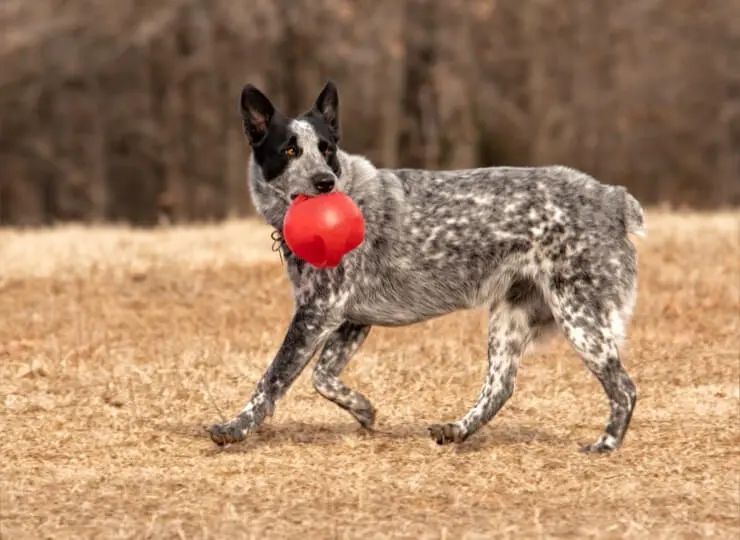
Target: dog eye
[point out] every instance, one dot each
(290, 151)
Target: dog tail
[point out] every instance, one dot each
(634, 217)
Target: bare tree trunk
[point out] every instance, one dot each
(457, 101)
(98, 182)
(537, 79)
(391, 69)
(186, 106)
(419, 141)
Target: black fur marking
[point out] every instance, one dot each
(327, 107)
(257, 113)
(326, 138)
(269, 153)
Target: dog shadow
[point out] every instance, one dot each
(509, 435)
(292, 433)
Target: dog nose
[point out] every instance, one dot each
(323, 182)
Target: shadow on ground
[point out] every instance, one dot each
(330, 434)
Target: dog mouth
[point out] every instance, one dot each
(300, 196)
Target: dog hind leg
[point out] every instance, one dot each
(594, 321)
(339, 349)
(513, 325)
(588, 331)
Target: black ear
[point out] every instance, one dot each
(327, 105)
(257, 111)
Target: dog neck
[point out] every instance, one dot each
(357, 175)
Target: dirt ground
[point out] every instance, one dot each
(117, 346)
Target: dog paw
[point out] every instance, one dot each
(604, 445)
(366, 417)
(446, 433)
(227, 433)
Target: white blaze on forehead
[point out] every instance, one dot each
(307, 138)
(310, 160)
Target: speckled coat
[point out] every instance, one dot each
(541, 248)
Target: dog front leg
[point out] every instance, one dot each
(338, 351)
(308, 330)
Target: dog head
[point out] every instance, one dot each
(291, 156)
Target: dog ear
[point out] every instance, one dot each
(327, 105)
(257, 111)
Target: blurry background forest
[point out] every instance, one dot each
(127, 110)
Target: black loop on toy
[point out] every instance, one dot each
(277, 243)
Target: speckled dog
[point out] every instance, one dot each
(540, 248)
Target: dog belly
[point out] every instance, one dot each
(387, 316)
(401, 312)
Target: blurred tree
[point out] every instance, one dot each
(129, 110)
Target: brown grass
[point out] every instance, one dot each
(117, 345)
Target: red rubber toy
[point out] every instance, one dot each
(321, 230)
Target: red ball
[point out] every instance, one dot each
(323, 229)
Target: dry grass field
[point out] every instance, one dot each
(116, 346)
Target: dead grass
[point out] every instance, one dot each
(115, 346)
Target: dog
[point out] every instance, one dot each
(543, 249)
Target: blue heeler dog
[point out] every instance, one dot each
(541, 248)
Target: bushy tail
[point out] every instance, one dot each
(634, 217)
